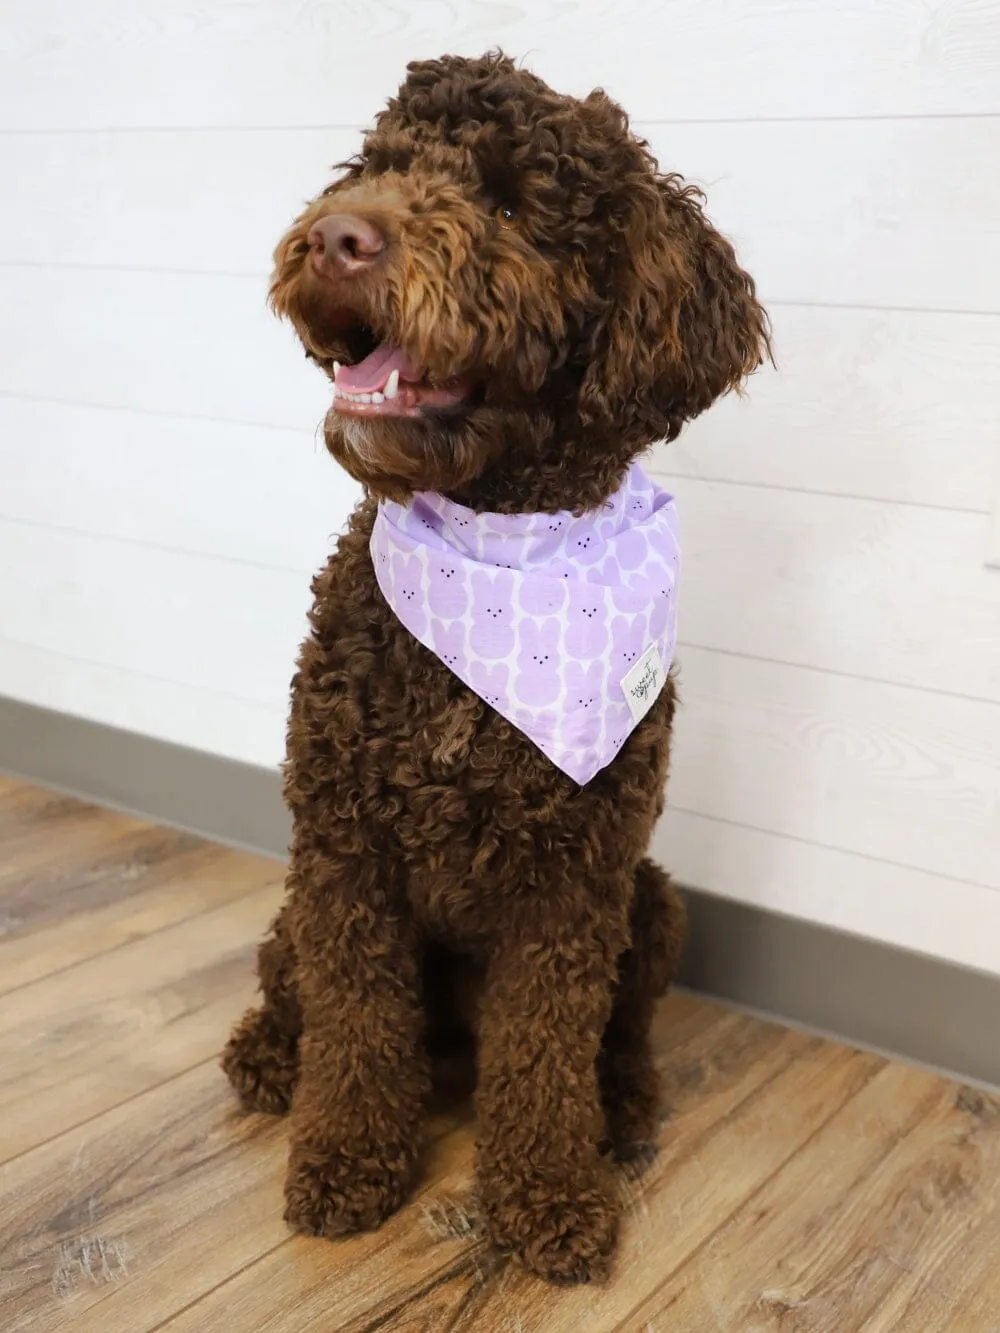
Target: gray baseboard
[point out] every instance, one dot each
(917, 1007)
(220, 798)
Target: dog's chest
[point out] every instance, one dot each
(391, 708)
(384, 731)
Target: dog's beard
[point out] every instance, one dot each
(394, 457)
(357, 436)
(483, 457)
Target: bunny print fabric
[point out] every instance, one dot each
(566, 625)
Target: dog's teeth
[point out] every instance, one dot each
(336, 369)
(365, 397)
(378, 397)
(391, 385)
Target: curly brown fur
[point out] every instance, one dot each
(261, 1058)
(444, 875)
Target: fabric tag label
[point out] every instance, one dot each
(643, 682)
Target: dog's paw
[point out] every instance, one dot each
(636, 1154)
(563, 1234)
(334, 1193)
(262, 1064)
(631, 1097)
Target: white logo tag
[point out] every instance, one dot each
(643, 682)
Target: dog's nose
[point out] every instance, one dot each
(345, 242)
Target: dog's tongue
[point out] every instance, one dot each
(370, 375)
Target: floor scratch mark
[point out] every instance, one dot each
(95, 1260)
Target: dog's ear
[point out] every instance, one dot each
(683, 323)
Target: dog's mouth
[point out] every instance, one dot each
(384, 382)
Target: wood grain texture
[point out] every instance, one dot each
(860, 766)
(90, 1036)
(799, 1183)
(140, 1209)
(209, 348)
(884, 405)
(699, 1178)
(206, 616)
(152, 1204)
(139, 886)
(865, 223)
(315, 64)
(293, 498)
(860, 1229)
(993, 540)
(889, 405)
(101, 198)
(853, 212)
(893, 903)
(735, 1056)
(891, 592)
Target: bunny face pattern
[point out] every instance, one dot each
(584, 684)
(539, 662)
(489, 680)
(447, 639)
(541, 615)
(447, 594)
(492, 633)
(408, 580)
(587, 629)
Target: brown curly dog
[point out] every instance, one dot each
(568, 305)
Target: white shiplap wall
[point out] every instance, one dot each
(163, 500)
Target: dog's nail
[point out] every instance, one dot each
(392, 385)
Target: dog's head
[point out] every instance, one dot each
(512, 300)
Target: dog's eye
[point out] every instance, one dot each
(506, 215)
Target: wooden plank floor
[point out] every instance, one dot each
(800, 1185)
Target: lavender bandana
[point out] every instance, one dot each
(564, 625)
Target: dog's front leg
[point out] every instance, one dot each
(261, 1058)
(545, 1188)
(363, 1079)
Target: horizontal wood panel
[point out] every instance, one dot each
(892, 592)
(215, 625)
(204, 719)
(274, 497)
(827, 582)
(881, 770)
(880, 213)
(897, 405)
(845, 212)
(215, 201)
(194, 345)
(264, 63)
(893, 904)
